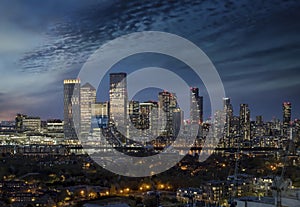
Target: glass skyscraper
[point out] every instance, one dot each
(287, 113)
(71, 108)
(196, 108)
(87, 98)
(245, 122)
(118, 99)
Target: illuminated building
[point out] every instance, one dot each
(167, 103)
(55, 128)
(71, 108)
(196, 108)
(134, 113)
(19, 121)
(245, 122)
(32, 124)
(100, 115)
(228, 122)
(87, 98)
(149, 116)
(27, 123)
(286, 110)
(118, 99)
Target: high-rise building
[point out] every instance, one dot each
(178, 117)
(71, 108)
(118, 100)
(245, 122)
(148, 114)
(286, 119)
(167, 103)
(286, 110)
(228, 109)
(87, 98)
(134, 113)
(196, 108)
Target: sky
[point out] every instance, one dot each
(254, 45)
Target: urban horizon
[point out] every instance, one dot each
(149, 103)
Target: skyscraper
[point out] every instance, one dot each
(87, 98)
(71, 108)
(196, 108)
(287, 113)
(118, 100)
(134, 113)
(228, 109)
(245, 122)
(167, 103)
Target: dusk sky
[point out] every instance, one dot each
(255, 46)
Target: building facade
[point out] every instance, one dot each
(71, 108)
(87, 98)
(118, 99)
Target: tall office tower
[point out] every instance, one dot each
(196, 108)
(134, 113)
(148, 115)
(87, 98)
(245, 122)
(118, 100)
(71, 108)
(228, 109)
(235, 132)
(286, 110)
(167, 103)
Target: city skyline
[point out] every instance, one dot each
(76, 87)
(74, 91)
(150, 103)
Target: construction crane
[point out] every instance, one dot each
(280, 184)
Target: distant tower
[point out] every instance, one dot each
(228, 109)
(118, 99)
(245, 122)
(87, 98)
(287, 111)
(134, 113)
(259, 120)
(167, 103)
(196, 108)
(71, 108)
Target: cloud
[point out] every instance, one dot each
(252, 44)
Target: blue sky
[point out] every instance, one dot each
(254, 45)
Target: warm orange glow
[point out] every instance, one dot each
(82, 192)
